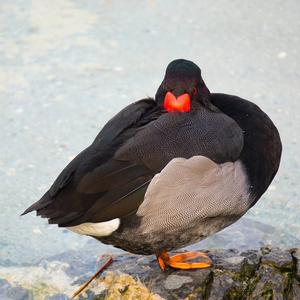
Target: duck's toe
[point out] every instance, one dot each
(179, 261)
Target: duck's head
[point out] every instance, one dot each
(182, 88)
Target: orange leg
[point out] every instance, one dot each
(90, 280)
(179, 261)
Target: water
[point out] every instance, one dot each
(67, 67)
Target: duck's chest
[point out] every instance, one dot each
(173, 135)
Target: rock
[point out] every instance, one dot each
(269, 283)
(296, 256)
(17, 292)
(5, 286)
(174, 282)
(281, 259)
(7, 291)
(268, 273)
(295, 290)
(57, 297)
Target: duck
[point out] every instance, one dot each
(169, 171)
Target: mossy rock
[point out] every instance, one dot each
(269, 273)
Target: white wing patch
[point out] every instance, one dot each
(96, 229)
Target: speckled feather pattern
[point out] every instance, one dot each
(200, 132)
(154, 180)
(200, 195)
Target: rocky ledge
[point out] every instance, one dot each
(268, 273)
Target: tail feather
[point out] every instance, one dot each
(40, 204)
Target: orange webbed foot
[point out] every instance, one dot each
(179, 261)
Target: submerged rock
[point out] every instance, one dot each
(268, 273)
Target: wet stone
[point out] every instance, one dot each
(236, 260)
(176, 282)
(78, 262)
(296, 290)
(4, 286)
(240, 266)
(6, 263)
(5, 290)
(220, 285)
(270, 283)
(296, 255)
(17, 293)
(57, 297)
(267, 274)
(278, 258)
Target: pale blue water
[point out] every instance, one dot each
(67, 67)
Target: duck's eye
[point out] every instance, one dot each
(195, 91)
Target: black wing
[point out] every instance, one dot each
(109, 179)
(95, 186)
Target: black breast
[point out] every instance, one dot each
(201, 132)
